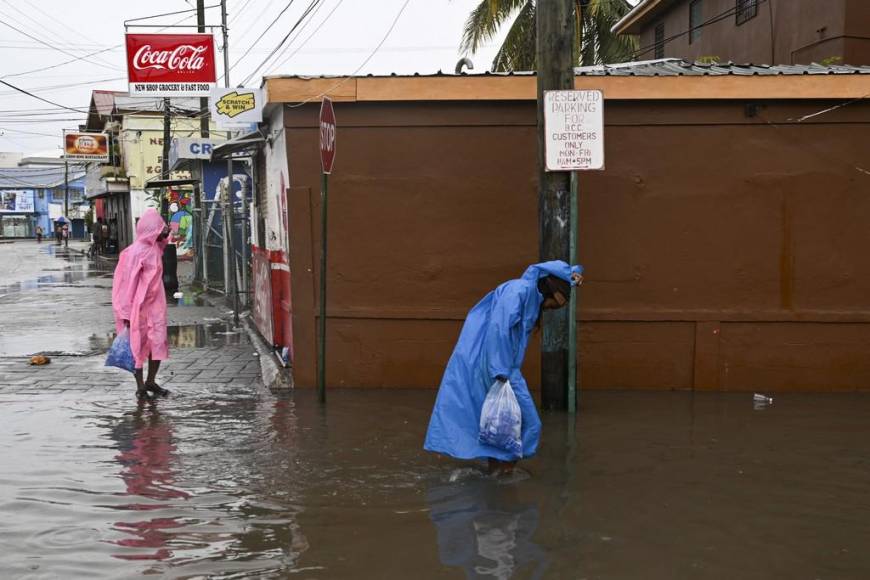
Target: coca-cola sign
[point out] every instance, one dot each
(171, 65)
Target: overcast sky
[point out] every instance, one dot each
(337, 38)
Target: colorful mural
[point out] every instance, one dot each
(181, 222)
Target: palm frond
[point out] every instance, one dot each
(485, 21)
(518, 50)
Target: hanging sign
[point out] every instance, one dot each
(574, 130)
(236, 108)
(86, 146)
(171, 65)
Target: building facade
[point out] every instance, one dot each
(36, 196)
(752, 31)
(724, 244)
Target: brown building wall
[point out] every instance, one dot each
(723, 251)
(803, 31)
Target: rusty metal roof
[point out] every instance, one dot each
(673, 67)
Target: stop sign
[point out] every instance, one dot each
(327, 135)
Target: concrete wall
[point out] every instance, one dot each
(803, 31)
(724, 247)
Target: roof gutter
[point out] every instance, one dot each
(643, 8)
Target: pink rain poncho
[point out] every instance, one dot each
(137, 291)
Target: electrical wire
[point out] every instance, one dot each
(283, 40)
(4, 23)
(304, 42)
(360, 67)
(28, 93)
(262, 34)
(275, 64)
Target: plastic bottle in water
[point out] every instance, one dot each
(764, 399)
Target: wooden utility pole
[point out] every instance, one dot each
(203, 101)
(555, 50)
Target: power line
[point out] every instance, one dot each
(262, 34)
(365, 62)
(304, 42)
(42, 26)
(28, 93)
(235, 16)
(276, 64)
(283, 40)
(4, 23)
(116, 46)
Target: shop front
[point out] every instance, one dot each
(17, 213)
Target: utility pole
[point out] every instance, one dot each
(555, 71)
(228, 206)
(203, 101)
(167, 120)
(65, 188)
(200, 231)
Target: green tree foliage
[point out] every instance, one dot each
(594, 43)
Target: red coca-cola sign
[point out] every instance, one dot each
(171, 65)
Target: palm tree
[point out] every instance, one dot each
(594, 42)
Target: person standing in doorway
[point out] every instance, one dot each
(491, 347)
(38, 234)
(139, 301)
(98, 236)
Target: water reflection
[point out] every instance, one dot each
(485, 527)
(147, 456)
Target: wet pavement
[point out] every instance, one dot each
(227, 480)
(55, 301)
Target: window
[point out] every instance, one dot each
(746, 10)
(660, 40)
(696, 10)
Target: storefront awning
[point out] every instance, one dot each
(242, 146)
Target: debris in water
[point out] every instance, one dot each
(759, 398)
(39, 360)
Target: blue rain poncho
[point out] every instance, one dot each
(492, 343)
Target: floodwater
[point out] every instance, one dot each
(229, 484)
(64, 308)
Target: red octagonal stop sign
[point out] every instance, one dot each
(327, 135)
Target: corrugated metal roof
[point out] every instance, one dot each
(36, 177)
(671, 67)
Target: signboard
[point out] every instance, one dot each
(86, 146)
(574, 130)
(327, 135)
(189, 148)
(16, 201)
(235, 108)
(171, 65)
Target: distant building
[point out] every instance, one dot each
(752, 31)
(35, 196)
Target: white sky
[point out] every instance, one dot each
(425, 39)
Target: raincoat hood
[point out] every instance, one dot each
(149, 227)
(556, 268)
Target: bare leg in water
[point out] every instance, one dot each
(144, 388)
(151, 382)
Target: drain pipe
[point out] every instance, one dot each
(464, 61)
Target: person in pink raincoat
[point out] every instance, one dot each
(139, 301)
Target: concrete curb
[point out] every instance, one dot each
(275, 376)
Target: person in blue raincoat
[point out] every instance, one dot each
(491, 347)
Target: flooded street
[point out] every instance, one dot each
(227, 480)
(230, 483)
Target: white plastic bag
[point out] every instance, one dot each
(501, 420)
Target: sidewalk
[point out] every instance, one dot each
(224, 368)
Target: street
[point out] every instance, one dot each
(226, 480)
